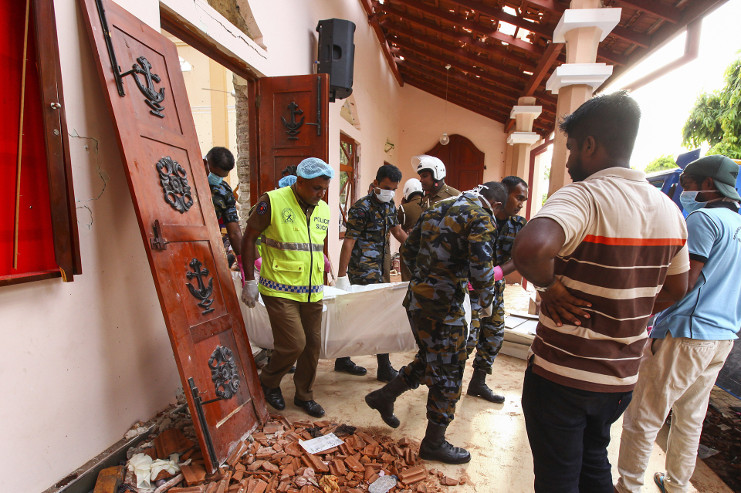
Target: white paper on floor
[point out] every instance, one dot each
(320, 444)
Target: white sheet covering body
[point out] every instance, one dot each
(370, 320)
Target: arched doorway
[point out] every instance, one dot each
(464, 162)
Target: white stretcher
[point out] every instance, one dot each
(370, 320)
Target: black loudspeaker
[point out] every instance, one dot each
(336, 55)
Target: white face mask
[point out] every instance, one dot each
(384, 195)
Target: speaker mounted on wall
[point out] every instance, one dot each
(336, 55)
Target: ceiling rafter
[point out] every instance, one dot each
(409, 42)
(476, 83)
(471, 104)
(500, 15)
(548, 101)
(458, 81)
(655, 8)
(368, 7)
(476, 27)
(468, 39)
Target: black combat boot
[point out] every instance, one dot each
(385, 372)
(477, 388)
(382, 400)
(435, 447)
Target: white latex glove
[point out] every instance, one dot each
(486, 311)
(343, 283)
(250, 293)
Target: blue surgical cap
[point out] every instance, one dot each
(287, 181)
(311, 167)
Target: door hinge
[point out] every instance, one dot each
(157, 242)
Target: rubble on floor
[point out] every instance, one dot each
(272, 459)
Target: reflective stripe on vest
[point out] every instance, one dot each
(303, 247)
(291, 248)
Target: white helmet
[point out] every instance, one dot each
(431, 163)
(411, 186)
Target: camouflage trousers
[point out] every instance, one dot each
(438, 364)
(486, 336)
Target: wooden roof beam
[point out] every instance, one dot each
(500, 15)
(657, 9)
(545, 121)
(389, 24)
(508, 99)
(548, 100)
(461, 83)
(463, 23)
(469, 58)
(373, 21)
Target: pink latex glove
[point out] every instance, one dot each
(327, 265)
(258, 263)
(498, 273)
(470, 288)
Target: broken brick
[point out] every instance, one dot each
(109, 479)
(193, 473)
(413, 474)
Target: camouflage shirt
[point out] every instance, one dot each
(225, 204)
(369, 222)
(506, 232)
(450, 245)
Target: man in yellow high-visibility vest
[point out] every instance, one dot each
(291, 223)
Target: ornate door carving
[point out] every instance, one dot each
(172, 200)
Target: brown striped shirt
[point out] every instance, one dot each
(623, 237)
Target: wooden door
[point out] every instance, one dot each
(173, 205)
(464, 162)
(292, 124)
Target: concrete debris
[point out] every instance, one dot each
(271, 460)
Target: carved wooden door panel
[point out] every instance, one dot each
(464, 162)
(173, 205)
(292, 124)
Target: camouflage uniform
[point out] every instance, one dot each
(225, 205)
(450, 245)
(408, 216)
(369, 222)
(487, 333)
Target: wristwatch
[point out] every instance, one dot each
(543, 289)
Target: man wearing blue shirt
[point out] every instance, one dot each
(691, 339)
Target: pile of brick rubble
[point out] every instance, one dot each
(272, 460)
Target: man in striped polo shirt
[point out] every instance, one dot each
(600, 252)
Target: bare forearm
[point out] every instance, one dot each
(508, 267)
(345, 254)
(235, 237)
(249, 248)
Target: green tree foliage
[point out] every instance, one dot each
(716, 117)
(661, 163)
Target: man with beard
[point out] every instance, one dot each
(600, 252)
(487, 333)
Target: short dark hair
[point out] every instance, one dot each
(388, 171)
(220, 157)
(511, 182)
(611, 119)
(289, 170)
(493, 191)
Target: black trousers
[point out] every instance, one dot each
(569, 430)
